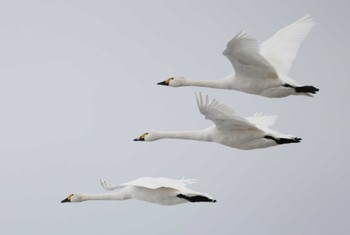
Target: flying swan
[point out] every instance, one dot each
(261, 70)
(162, 191)
(229, 129)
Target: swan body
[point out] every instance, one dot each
(260, 69)
(229, 128)
(162, 191)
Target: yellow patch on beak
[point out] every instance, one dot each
(69, 197)
(168, 81)
(142, 137)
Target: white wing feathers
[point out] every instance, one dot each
(108, 186)
(262, 121)
(225, 117)
(152, 183)
(222, 115)
(188, 181)
(281, 49)
(244, 54)
(213, 109)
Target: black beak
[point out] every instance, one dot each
(139, 139)
(65, 200)
(164, 83)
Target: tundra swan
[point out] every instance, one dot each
(260, 70)
(162, 191)
(229, 128)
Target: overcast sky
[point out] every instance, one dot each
(78, 83)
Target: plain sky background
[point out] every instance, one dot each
(78, 83)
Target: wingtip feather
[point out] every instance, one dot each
(308, 20)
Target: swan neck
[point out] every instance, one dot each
(106, 196)
(186, 135)
(219, 84)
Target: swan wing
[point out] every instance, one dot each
(244, 54)
(281, 49)
(223, 116)
(109, 186)
(161, 182)
(262, 120)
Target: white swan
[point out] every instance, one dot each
(229, 129)
(261, 70)
(162, 191)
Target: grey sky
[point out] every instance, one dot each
(78, 83)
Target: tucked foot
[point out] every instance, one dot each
(306, 89)
(198, 198)
(283, 140)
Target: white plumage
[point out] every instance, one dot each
(261, 70)
(229, 128)
(161, 190)
(282, 48)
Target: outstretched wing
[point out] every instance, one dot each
(161, 182)
(109, 186)
(281, 49)
(222, 115)
(262, 121)
(244, 54)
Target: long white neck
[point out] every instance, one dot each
(225, 83)
(201, 135)
(121, 195)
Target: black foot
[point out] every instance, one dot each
(303, 89)
(196, 198)
(283, 140)
(306, 89)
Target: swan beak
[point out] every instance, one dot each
(164, 83)
(65, 200)
(141, 138)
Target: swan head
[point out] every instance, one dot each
(148, 136)
(74, 197)
(173, 82)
